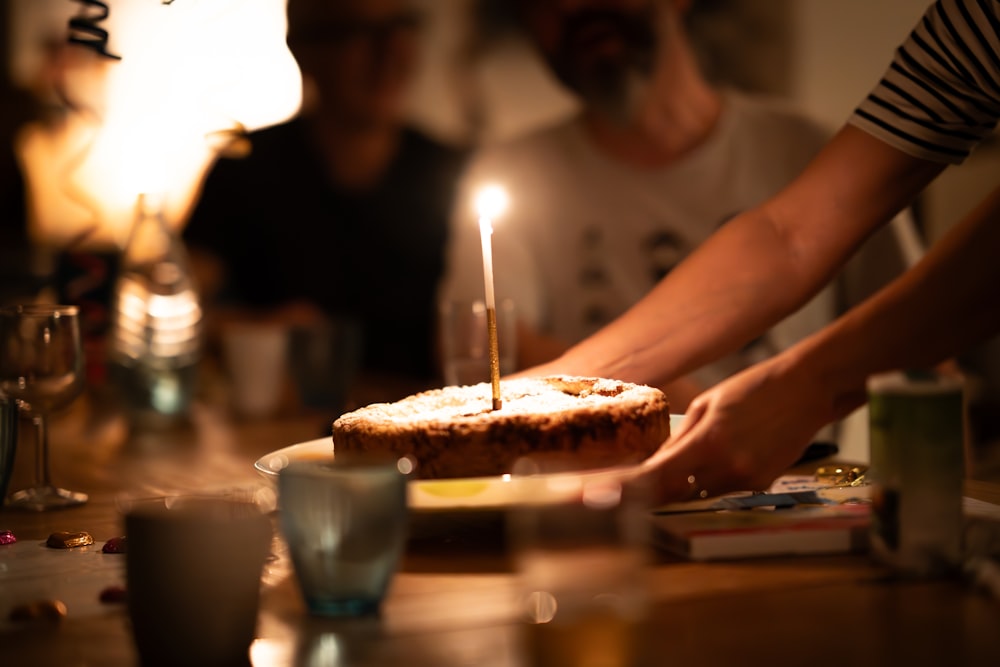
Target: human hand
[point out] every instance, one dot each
(744, 432)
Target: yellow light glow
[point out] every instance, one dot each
(273, 652)
(189, 72)
(491, 201)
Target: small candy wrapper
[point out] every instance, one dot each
(39, 610)
(114, 595)
(68, 540)
(116, 545)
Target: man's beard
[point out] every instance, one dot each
(611, 84)
(615, 92)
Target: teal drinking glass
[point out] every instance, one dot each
(345, 522)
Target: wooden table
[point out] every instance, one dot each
(455, 601)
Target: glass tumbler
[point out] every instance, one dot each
(581, 563)
(345, 522)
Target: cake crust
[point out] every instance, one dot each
(454, 432)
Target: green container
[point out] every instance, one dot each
(917, 435)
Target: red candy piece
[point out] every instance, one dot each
(7, 537)
(114, 595)
(116, 545)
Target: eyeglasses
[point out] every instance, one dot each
(338, 32)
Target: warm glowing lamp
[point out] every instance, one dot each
(150, 90)
(491, 202)
(181, 77)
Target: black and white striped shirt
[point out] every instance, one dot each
(941, 95)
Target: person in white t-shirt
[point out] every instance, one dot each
(937, 101)
(604, 204)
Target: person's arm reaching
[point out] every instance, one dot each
(758, 267)
(939, 98)
(748, 429)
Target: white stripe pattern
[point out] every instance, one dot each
(941, 95)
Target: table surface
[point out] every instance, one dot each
(455, 599)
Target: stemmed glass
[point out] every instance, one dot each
(41, 369)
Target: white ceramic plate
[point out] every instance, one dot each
(475, 493)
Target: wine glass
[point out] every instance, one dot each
(41, 369)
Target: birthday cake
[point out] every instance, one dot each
(455, 432)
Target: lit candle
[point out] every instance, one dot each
(490, 203)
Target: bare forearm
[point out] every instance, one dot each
(759, 267)
(947, 303)
(731, 289)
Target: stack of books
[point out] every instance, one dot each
(720, 534)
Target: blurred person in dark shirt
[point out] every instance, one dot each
(342, 211)
(18, 281)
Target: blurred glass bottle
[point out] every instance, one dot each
(155, 341)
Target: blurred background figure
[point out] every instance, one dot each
(15, 267)
(19, 272)
(606, 202)
(115, 111)
(341, 213)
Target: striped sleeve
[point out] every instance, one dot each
(941, 95)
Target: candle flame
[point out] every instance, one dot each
(491, 201)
